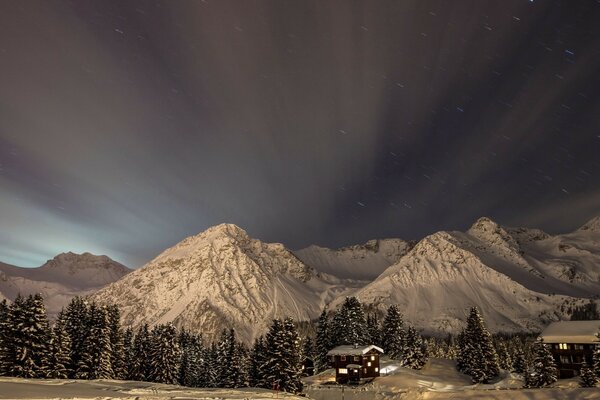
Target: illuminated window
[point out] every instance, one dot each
(342, 371)
(369, 364)
(563, 346)
(356, 358)
(376, 369)
(372, 358)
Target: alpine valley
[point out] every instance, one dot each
(520, 278)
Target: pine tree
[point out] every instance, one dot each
(77, 325)
(191, 347)
(292, 352)
(255, 364)
(519, 361)
(596, 361)
(117, 355)
(165, 354)
(140, 367)
(323, 343)
(96, 351)
(349, 324)
(414, 354)
(543, 370)
(374, 330)
(477, 356)
(587, 376)
(6, 361)
(393, 334)
(60, 350)
(31, 337)
(308, 353)
(210, 367)
(129, 357)
(504, 360)
(227, 359)
(241, 356)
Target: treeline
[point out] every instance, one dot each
(349, 325)
(87, 342)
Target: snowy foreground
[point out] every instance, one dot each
(438, 380)
(16, 388)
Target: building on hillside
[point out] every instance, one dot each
(572, 342)
(355, 364)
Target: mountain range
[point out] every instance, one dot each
(521, 279)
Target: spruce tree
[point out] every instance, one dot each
(504, 360)
(31, 337)
(77, 325)
(140, 367)
(60, 350)
(323, 343)
(519, 361)
(227, 359)
(308, 353)
(542, 371)
(477, 357)
(393, 334)
(349, 324)
(129, 357)
(587, 376)
(596, 361)
(256, 364)
(165, 354)
(414, 354)
(283, 364)
(374, 330)
(6, 361)
(117, 355)
(292, 352)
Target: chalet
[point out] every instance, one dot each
(572, 342)
(355, 364)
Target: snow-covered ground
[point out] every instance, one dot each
(439, 379)
(16, 388)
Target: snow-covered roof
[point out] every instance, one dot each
(353, 351)
(572, 332)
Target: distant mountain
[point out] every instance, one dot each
(222, 278)
(520, 278)
(366, 261)
(60, 279)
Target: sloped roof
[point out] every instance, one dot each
(349, 350)
(581, 332)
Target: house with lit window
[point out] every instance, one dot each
(355, 364)
(572, 342)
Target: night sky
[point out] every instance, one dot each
(126, 126)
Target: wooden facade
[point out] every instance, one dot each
(572, 343)
(355, 364)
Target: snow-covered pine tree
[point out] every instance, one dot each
(117, 355)
(308, 352)
(292, 352)
(128, 352)
(140, 369)
(323, 342)
(478, 357)
(414, 353)
(518, 365)
(349, 325)
(596, 361)
(95, 360)
(274, 366)
(374, 328)
(210, 367)
(77, 324)
(165, 354)
(542, 371)
(504, 360)
(191, 347)
(255, 364)
(393, 333)
(59, 359)
(241, 357)
(31, 336)
(227, 359)
(587, 376)
(6, 361)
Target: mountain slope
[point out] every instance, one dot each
(222, 278)
(519, 277)
(365, 261)
(59, 280)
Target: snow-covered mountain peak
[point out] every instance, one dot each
(493, 234)
(592, 225)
